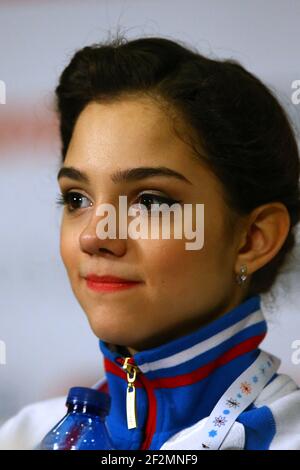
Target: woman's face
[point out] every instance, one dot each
(179, 289)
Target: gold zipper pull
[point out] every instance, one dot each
(130, 394)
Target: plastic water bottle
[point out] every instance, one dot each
(84, 426)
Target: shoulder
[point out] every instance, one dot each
(26, 429)
(272, 422)
(282, 398)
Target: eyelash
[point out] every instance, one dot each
(63, 199)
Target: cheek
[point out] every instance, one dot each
(168, 263)
(68, 246)
(170, 267)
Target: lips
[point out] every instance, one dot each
(109, 283)
(107, 279)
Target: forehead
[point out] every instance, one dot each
(129, 128)
(133, 132)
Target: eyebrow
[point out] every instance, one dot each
(127, 175)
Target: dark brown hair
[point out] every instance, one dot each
(246, 134)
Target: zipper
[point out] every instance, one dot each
(132, 370)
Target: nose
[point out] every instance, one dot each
(90, 242)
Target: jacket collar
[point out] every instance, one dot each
(179, 382)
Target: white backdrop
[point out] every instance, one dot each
(49, 346)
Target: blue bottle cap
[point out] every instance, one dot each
(89, 396)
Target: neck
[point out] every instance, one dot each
(179, 382)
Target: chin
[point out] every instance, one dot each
(113, 332)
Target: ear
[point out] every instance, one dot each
(264, 233)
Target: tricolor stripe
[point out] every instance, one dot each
(204, 346)
(198, 374)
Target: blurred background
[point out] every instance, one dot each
(49, 346)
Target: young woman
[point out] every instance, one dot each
(179, 329)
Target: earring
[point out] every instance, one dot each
(242, 276)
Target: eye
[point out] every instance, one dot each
(73, 200)
(147, 199)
